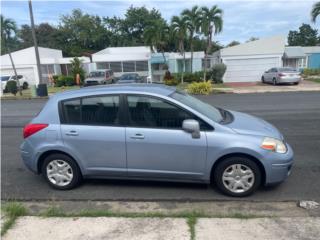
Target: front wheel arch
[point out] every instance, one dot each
(254, 159)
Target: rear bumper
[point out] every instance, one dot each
(289, 79)
(278, 168)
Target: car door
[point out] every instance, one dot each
(157, 147)
(91, 127)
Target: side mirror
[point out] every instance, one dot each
(191, 126)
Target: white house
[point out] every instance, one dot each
(124, 59)
(51, 60)
(247, 62)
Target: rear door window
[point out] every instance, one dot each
(97, 110)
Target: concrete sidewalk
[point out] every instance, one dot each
(37, 228)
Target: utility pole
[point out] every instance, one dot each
(41, 85)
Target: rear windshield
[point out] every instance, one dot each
(4, 79)
(287, 69)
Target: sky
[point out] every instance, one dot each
(242, 18)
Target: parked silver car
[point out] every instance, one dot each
(99, 77)
(281, 75)
(150, 131)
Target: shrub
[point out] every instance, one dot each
(217, 71)
(311, 71)
(171, 82)
(204, 88)
(69, 81)
(64, 81)
(12, 87)
(76, 68)
(55, 79)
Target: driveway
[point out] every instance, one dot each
(296, 114)
(263, 88)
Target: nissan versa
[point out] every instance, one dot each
(154, 132)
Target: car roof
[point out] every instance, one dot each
(159, 89)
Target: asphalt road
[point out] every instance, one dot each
(297, 115)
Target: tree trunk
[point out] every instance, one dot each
(191, 48)
(209, 44)
(15, 72)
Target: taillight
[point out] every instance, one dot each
(281, 74)
(32, 128)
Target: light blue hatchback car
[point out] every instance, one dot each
(146, 131)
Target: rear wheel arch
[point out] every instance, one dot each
(244, 155)
(44, 155)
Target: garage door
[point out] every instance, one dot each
(249, 69)
(27, 72)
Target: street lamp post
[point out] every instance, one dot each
(42, 85)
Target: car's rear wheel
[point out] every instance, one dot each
(61, 171)
(237, 176)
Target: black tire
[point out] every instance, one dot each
(77, 177)
(222, 166)
(274, 82)
(25, 85)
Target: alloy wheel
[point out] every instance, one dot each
(59, 173)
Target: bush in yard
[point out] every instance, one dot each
(12, 87)
(76, 68)
(69, 81)
(55, 79)
(204, 88)
(169, 79)
(311, 71)
(216, 72)
(60, 82)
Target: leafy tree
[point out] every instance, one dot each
(76, 68)
(306, 36)
(80, 33)
(315, 12)
(137, 19)
(211, 24)
(180, 27)
(8, 32)
(194, 20)
(233, 43)
(8, 35)
(156, 36)
(46, 36)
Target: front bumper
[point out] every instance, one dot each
(278, 166)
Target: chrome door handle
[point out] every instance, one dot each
(137, 136)
(72, 133)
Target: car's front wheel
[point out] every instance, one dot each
(61, 171)
(237, 176)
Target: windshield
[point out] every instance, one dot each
(129, 77)
(287, 69)
(6, 78)
(96, 74)
(201, 107)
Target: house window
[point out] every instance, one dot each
(128, 66)
(116, 66)
(103, 65)
(141, 66)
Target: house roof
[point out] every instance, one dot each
(294, 52)
(314, 49)
(114, 54)
(270, 45)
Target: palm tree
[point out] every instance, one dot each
(180, 27)
(315, 11)
(8, 26)
(156, 36)
(193, 18)
(211, 24)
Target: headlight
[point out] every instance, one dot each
(273, 144)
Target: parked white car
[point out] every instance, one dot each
(281, 75)
(22, 80)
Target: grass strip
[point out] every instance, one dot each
(12, 211)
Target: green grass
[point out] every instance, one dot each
(27, 92)
(316, 80)
(12, 211)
